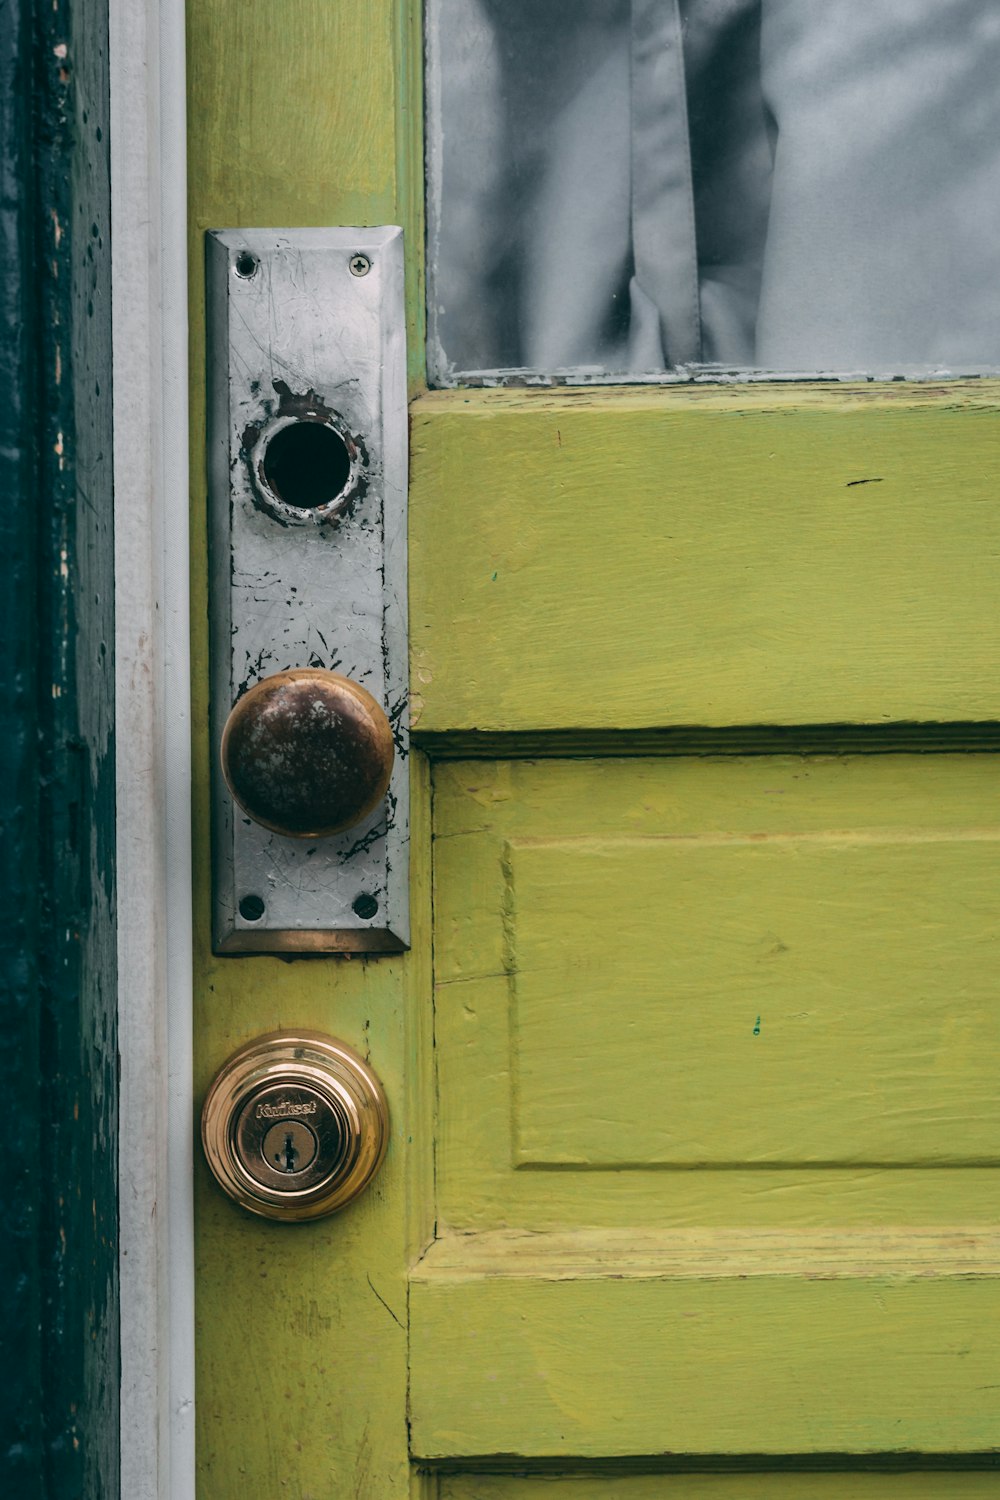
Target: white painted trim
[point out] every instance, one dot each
(149, 304)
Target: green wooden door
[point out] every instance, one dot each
(692, 1186)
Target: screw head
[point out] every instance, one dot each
(252, 908)
(359, 265)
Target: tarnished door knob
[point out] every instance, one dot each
(307, 753)
(295, 1125)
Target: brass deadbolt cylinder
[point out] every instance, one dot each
(295, 1125)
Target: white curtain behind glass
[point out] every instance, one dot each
(636, 185)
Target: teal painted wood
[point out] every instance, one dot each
(20, 1196)
(58, 1065)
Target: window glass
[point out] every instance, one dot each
(668, 188)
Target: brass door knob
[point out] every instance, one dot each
(295, 1125)
(307, 753)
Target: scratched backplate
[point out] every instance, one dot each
(308, 320)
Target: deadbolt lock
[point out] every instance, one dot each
(295, 1125)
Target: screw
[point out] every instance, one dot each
(360, 265)
(246, 264)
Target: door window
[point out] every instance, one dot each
(674, 188)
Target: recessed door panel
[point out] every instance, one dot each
(659, 966)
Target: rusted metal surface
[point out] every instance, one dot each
(307, 753)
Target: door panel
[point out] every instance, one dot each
(664, 1228)
(740, 556)
(768, 1354)
(717, 962)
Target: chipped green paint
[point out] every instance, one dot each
(293, 121)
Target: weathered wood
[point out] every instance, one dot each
(58, 1068)
(594, 1349)
(750, 556)
(295, 115)
(21, 1314)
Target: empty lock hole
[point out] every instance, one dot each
(307, 464)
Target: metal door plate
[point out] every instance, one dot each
(306, 326)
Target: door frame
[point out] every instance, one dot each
(149, 304)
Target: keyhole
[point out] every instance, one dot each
(289, 1146)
